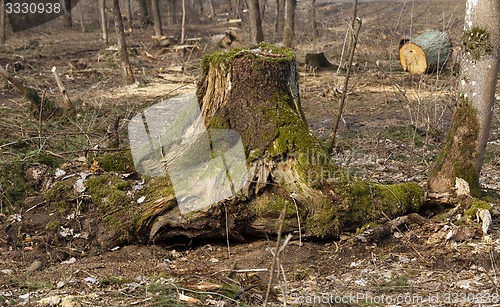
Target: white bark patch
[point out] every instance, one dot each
(471, 5)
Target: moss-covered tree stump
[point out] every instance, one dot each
(255, 93)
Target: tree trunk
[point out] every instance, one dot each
(289, 26)
(68, 20)
(426, 53)
(313, 19)
(465, 148)
(104, 21)
(257, 35)
(128, 74)
(280, 16)
(143, 6)
(212, 9)
(183, 23)
(172, 5)
(156, 17)
(129, 15)
(3, 23)
(263, 7)
(248, 100)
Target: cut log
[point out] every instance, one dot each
(426, 53)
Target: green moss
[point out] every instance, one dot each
(460, 148)
(475, 205)
(325, 221)
(53, 225)
(223, 58)
(108, 191)
(116, 162)
(476, 43)
(365, 227)
(365, 202)
(59, 196)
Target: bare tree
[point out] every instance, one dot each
(128, 74)
(143, 6)
(465, 148)
(257, 35)
(289, 25)
(129, 14)
(68, 20)
(263, 6)
(212, 9)
(156, 17)
(104, 21)
(313, 18)
(171, 7)
(183, 25)
(3, 22)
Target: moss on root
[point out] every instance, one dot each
(458, 157)
(116, 162)
(474, 206)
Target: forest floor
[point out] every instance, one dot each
(393, 127)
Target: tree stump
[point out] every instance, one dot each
(254, 93)
(426, 53)
(318, 61)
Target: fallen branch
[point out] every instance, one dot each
(30, 94)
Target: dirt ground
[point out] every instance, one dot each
(392, 129)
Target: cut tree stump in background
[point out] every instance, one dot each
(425, 53)
(318, 61)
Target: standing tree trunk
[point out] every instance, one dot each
(171, 7)
(128, 74)
(129, 15)
(156, 17)
(263, 8)
(212, 9)
(279, 20)
(183, 23)
(289, 26)
(313, 19)
(3, 23)
(256, 33)
(145, 18)
(465, 148)
(68, 20)
(104, 21)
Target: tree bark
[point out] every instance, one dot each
(68, 20)
(104, 21)
(254, 95)
(289, 25)
(465, 148)
(156, 17)
(128, 74)
(257, 35)
(3, 23)
(279, 20)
